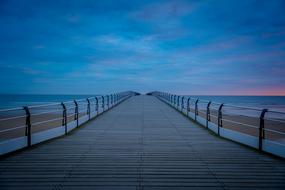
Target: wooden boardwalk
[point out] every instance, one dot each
(141, 144)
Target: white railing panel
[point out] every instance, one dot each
(274, 148)
(12, 145)
(47, 134)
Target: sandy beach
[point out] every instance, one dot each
(250, 124)
(38, 123)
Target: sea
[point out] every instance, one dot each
(276, 103)
(16, 100)
(20, 100)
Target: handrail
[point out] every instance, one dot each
(10, 118)
(12, 109)
(45, 105)
(47, 115)
(219, 112)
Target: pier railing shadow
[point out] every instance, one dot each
(25, 126)
(259, 128)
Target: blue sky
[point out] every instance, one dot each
(189, 47)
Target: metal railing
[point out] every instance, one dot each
(24, 122)
(264, 125)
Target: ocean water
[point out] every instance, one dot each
(13, 100)
(272, 102)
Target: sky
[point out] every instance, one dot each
(209, 47)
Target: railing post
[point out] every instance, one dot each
(103, 103)
(64, 117)
(28, 126)
(220, 117)
(182, 103)
(107, 101)
(261, 128)
(76, 114)
(171, 97)
(174, 100)
(97, 106)
(88, 108)
(208, 117)
(112, 100)
(196, 109)
(188, 105)
(178, 98)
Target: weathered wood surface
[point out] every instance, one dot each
(141, 144)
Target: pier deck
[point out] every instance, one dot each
(141, 144)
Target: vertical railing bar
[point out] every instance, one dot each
(196, 109)
(64, 117)
(76, 114)
(103, 104)
(88, 108)
(108, 101)
(97, 106)
(220, 121)
(182, 103)
(261, 128)
(178, 98)
(208, 117)
(188, 105)
(28, 125)
(114, 99)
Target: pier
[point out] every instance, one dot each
(141, 142)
